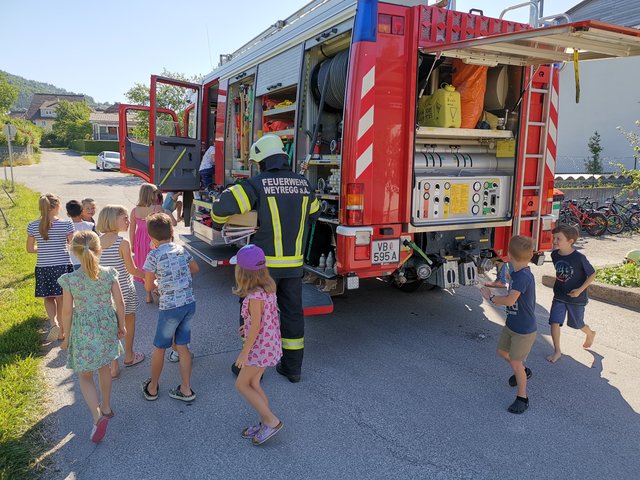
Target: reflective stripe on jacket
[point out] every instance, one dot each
(286, 205)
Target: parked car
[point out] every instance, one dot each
(108, 161)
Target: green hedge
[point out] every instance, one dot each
(95, 146)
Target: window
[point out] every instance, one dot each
(44, 123)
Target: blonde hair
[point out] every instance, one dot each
(86, 246)
(248, 281)
(147, 196)
(521, 248)
(47, 203)
(108, 218)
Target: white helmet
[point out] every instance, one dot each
(266, 146)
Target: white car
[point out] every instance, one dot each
(108, 161)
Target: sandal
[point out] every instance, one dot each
(251, 431)
(145, 391)
(137, 358)
(265, 433)
(512, 379)
(109, 415)
(99, 429)
(178, 395)
(518, 406)
(53, 333)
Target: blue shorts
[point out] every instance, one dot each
(175, 321)
(573, 313)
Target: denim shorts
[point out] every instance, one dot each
(175, 321)
(574, 314)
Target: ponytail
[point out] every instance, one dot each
(47, 203)
(86, 246)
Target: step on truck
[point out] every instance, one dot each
(417, 185)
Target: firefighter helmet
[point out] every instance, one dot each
(266, 146)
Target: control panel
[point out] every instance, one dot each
(444, 200)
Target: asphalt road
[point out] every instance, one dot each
(395, 386)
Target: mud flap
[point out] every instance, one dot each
(315, 302)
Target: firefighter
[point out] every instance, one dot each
(286, 205)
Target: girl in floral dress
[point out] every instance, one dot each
(94, 326)
(263, 345)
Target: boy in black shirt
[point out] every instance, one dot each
(574, 274)
(519, 333)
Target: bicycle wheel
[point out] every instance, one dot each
(569, 218)
(615, 224)
(634, 221)
(595, 224)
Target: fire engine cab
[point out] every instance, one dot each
(428, 133)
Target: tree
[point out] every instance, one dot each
(632, 174)
(72, 121)
(167, 96)
(593, 165)
(8, 94)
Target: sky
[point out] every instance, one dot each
(102, 49)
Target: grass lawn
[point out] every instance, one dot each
(22, 387)
(90, 158)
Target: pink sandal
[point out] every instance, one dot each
(137, 358)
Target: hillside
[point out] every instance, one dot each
(26, 89)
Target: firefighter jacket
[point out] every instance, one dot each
(286, 206)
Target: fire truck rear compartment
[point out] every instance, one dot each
(463, 178)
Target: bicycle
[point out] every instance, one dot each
(630, 215)
(592, 221)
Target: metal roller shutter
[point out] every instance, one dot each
(280, 71)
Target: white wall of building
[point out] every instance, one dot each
(609, 97)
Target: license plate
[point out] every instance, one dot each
(385, 251)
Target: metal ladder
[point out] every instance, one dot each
(544, 130)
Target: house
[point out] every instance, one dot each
(609, 96)
(105, 124)
(42, 110)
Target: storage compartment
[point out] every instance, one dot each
(239, 134)
(319, 145)
(465, 175)
(275, 113)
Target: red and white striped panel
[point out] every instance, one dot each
(552, 130)
(364, 143)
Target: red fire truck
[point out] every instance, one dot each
(341, 82)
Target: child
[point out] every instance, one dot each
(88, 210)
(116, 252)
(138, 236)
(172, 266)
(171, 204)
(160, 201)
(49, 237)
(574, 274)
(519, 333)
(93, 325)
(261, 330)
(74, 212)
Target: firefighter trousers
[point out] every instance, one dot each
(289, 293)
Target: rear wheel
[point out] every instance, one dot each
(596, 224)
(615, 224)
(568, 218)
(634, 221)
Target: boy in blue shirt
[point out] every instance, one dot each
(172, 266)
(574, 274)
(519, 333)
